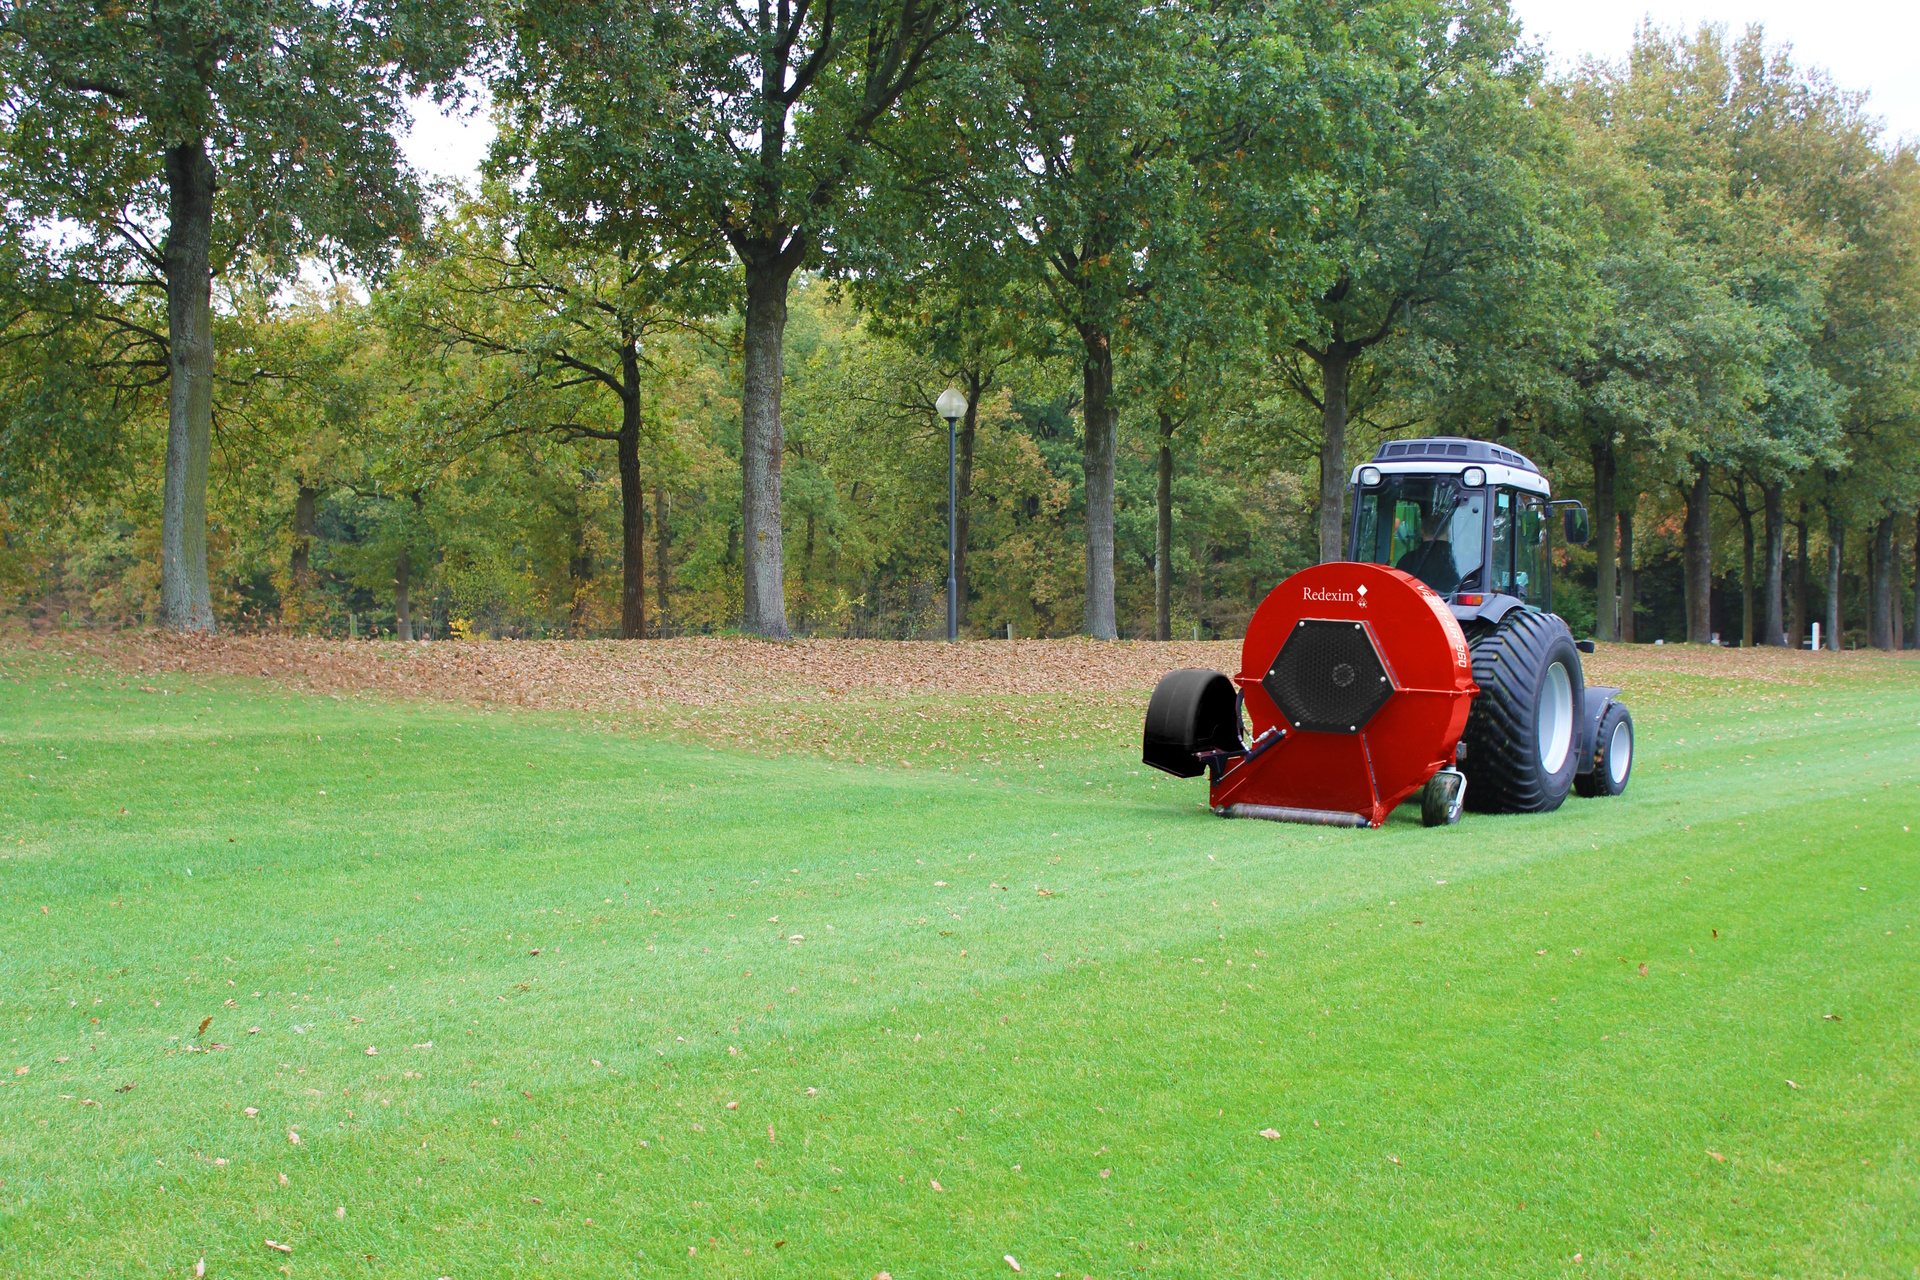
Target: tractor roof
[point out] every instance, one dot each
(1454, 449)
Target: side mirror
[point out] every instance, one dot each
(1574, 521)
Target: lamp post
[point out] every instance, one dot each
(951, 405)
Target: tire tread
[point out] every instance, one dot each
(1501, 765)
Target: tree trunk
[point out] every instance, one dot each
(303, 519)
(1798, 634)
(761, 448)
(1163, 535)
(1626, 574)
(1605, 625)
(963, 508)
(1699, 559)
(633, 503)
(402, 579)
(1333, 452)
(1775, 632)
(1897, 637)
(660, 567)
(1836, 543)
(185, 600)
(1097, 456)
(1747, 637)
(1880, 591)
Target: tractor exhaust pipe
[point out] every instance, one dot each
(1281, 813)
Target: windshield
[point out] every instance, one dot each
(1424, 525)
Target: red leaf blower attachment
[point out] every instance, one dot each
(1359, 680)
(1356, 683)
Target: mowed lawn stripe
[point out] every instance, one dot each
(1456, 1122)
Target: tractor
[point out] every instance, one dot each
(1429, 661)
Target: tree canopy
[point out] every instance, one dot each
(668, 366)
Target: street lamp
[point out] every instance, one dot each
(951, 405)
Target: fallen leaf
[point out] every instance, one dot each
(1792, 1085)
(770, 1137)
(372, 1052)
(204, 1024)
(293, 1137)
(1269, 1133)
(1394, 1159)
(935, 1184)
(200, 1267)
(21, 1071)
(251, 1112)
(1830, 1017)
(129, 1087)
(1643, 970)
(275, 1244)
(732, 1106)
(1716, 1155)
(1010, 1261)
(340, 1212)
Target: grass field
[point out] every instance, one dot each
(542, 999)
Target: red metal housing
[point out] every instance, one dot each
(1376, 678)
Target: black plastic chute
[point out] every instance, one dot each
(1192, 711)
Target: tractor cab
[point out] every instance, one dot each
(1469, 518)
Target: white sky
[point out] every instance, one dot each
(1871, 45)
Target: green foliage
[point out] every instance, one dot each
(1110, 227)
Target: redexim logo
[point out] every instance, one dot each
(1326, 595)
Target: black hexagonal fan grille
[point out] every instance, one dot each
(1328, 677)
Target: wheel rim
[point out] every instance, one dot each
(1553, 729)
(1620, 753)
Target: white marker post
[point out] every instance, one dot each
(1816, 637)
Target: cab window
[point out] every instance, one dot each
(1424, 525)
(1500, 559)
(1532, 551)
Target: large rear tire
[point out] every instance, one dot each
(1523, 731)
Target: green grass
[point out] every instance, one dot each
(1448, 1030)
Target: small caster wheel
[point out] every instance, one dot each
(1442, 797)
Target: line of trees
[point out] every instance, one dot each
(669, 364)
